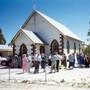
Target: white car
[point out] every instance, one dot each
(3, 61)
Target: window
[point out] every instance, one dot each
(74, 47)
(68, 47)
(42, 49)
(79, 48)
(54, 46)
(23, 49)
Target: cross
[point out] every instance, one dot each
(34, 5)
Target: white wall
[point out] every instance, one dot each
(23, 39)
(48, 33)
(44, 29)
(71, 42)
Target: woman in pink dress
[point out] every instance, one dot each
(24, 63)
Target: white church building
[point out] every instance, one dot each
(42, 34)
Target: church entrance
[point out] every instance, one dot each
(23, 49)
(42, 49)
(54, 46)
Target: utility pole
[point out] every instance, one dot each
(88, 39)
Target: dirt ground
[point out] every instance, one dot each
(28, 86)
(75, 79)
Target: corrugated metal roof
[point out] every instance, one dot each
(62, 28)
(32, 36)
(5, 48)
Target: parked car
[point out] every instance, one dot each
(9, 61)
(3, 61)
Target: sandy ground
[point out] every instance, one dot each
(76, 79)
(24, 86)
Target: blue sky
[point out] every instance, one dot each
(75, 14)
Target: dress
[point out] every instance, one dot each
(25, 63)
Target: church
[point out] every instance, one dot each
(42, 34)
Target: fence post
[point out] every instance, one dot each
(45, 74)
(9, 72)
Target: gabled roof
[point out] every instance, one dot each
(62, 28)
(32, 36)
(29, 34)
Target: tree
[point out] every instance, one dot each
(89, 32)
(2, 39)
(89, 29)
(87, 50)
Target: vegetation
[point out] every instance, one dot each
(89, 32)
(87, 50)
(2, 39)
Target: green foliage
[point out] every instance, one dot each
(2, 39)
(87, 50)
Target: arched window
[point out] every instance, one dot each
(68, 47)
(42, 49)
(74, 47)
(23, 49)
(79, 48)
(54, 46)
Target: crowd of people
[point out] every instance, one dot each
(54, 61)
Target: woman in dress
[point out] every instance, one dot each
(24, 63)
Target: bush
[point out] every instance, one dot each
(87, 50)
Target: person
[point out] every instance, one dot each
(15, 61)
(57, 59)
(49, 60)
(53, 62)
(10, 64)
(71, 60)
(24, 63)
(64, 62)
(37, 58)
(43, 61)
(86, 61)
(19, 61)
(82, 61)
(78, 59)
(29, 62)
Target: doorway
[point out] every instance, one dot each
(54, 46)
(23, 49)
